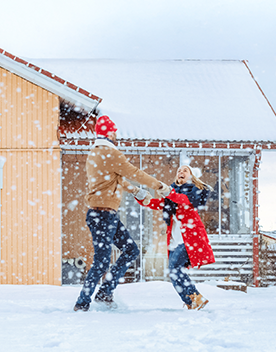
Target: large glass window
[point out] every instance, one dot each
(147, 227)
(235, 194)
(164, 168)
(227, 210)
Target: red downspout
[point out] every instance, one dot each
(256, 218)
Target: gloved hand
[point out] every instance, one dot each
(147, 199)
(164, 190)
(142, 194)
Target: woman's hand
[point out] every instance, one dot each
(142, 194)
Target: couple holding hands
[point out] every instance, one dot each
(188, 245)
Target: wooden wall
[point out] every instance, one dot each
(267, 262)
(31, 194)
(76, 237)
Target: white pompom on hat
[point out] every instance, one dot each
(196, 171)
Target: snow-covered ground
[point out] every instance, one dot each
(150, 317)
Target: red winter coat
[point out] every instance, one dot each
(193, 231)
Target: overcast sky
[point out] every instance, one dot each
(145, 29)
(148, 29)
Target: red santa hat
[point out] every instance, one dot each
(104, 125)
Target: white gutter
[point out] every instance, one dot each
(2, 162)
(48, 83)
(85, 149)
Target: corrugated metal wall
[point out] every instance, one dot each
(31, 194)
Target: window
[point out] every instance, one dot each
(228, 210)
(228, 207)
(235, 195)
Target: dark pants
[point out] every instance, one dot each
(107, 229)
(178, 261)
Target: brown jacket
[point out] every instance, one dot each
(107, 169)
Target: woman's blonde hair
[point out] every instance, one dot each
(196, 181)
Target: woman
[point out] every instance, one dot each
(188, 244)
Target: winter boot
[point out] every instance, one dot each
(84, 307)
(198, 302)
(105, 300)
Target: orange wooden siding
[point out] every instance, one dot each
(31, 194)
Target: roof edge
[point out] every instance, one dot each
(251, 74)
(48, 81)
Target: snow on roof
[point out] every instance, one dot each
(269, 234)
(175, 99)
(48, 80)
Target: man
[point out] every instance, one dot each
(107, 169)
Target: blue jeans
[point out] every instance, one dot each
(178, 261)
(107, 229)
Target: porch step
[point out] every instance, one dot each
(234, 259)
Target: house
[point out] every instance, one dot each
(210, 114)
(31, 185)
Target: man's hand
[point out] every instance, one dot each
(164, 190)
(142, 194)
